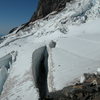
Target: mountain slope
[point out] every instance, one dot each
(76, 32)
(47, 6)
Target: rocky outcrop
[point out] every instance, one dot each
(88, 90)
(47, 6)
(52, 44)
(44, 8)
(12, 30)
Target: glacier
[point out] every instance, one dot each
(76, 33)
(3, 77)
(5, 66)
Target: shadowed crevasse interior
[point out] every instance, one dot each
(40, 70)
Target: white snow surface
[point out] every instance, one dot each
(77, 34)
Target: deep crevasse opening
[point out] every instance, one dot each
(40, 70)
(5, 66)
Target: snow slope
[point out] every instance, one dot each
(75, 55)
(77, 34)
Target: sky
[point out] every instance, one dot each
(15, 12)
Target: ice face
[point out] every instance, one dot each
(3, 77)
(5, 64)
(4, 61)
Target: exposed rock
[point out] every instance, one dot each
(97, 97)
(80, 91)
(52, 44)
(47, 6)
(12, 30)
(44, 8)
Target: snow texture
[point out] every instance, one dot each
(76, 33)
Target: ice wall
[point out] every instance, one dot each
(4, 61)
(5, 64)
(40, 70)
(3, 77)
